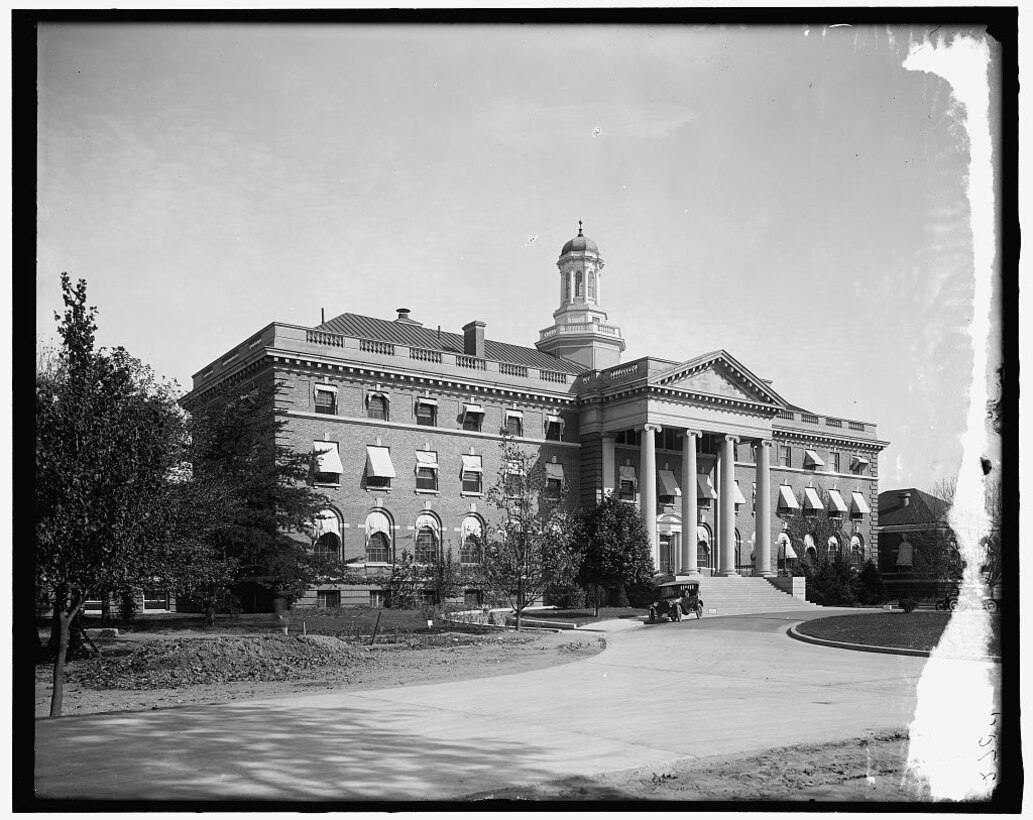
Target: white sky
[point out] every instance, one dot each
(792, 195)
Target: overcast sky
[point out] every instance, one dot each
(790, 194)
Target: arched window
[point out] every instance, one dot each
(833, 546)
(376, 407)
(566, 286)
(591, 284)
(427, 538)
(579, 284)
(378, 538)
(702, 546)
(328, 546)
(809, 550)
(470, 538)
(857, 549)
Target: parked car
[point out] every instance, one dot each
(950, 602)
(676, 598)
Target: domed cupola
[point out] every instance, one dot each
(580, 332)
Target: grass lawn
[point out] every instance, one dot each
(915, 630)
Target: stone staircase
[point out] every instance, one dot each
(745, 596)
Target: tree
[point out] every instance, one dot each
(445, 577)
(253, 499)
(531, 547)
(832, 578)
(614, 548)
(405, 585)
(108, 434)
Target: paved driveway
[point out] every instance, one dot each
(658, 693)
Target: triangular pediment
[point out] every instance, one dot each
(718, 374)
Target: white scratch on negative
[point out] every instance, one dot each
(954, 715)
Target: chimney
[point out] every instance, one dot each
(905, 498)
(473, 339)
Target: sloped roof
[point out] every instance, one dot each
(413, 335)
(923, 509)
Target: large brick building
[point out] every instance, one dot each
(406, 421)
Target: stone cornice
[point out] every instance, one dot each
(793, 434)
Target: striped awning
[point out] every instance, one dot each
(811, 501)
(812, 458)
(668, 483)
(472, 464)
(327, 457)
(858, 504)
(705, 487)
(378, 462)
(786, 499)
(836, 502)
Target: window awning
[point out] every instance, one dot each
(473, 409)
(327, 457)
(378, 462)
(811, 500)
(426, 520)
(472, 464)
(325, 388)
(515, 467)
(702, 535)
(554, 471)
(812, 458)
(808, 542)
(904, 554)
(855, 542)
(739, 499)
(858, 504)
(554, 420)
(378, 522)
(785, 546)
(789, 552)
(426, 459)
(859, 461)
(325, 522)
(371, 393)
(426, 400)
(705, 487)
(836, 503)
(471, 526)
(514, 414)
(668, 483)
(786, 499)
(626, 472)
(833, 543)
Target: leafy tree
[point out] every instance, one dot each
(531, 548)
(405, 584)
(445, 576)
(254, 502)
(615, 549)
(108, 435)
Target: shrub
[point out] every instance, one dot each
(871, 589)
(566, 595)
(642, 594)
(908, 603)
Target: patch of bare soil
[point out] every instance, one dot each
(870, 768)
(159, 672)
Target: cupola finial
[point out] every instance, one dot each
(579, 233)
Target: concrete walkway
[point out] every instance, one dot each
(659, 692)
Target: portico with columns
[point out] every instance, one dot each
(713, 400)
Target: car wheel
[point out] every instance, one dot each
(991, 605)
(954, 604)
(939, 605)
(699, 611)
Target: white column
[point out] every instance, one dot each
(647, 487)
(762, 518)
(609, 468)
(689, 503)
(726, 506)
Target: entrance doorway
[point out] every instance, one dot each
(667, 553)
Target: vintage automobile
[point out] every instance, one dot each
(950, 602)
(676, 598)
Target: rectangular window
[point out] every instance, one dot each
(834, 462)
(378, 598)
(326, 401)
(376, 407)
(514, 425)
(473, 416)
(379, 469)
(328, 463)
(155, 599)
(627, 490)
(553, 487)
(426, 415)
(471, 482)
(328, 598)
(513, 485)
(426, 478)
(553, 431)
(785, 455)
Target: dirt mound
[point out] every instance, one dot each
(188, 661)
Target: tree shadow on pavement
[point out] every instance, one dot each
(276, 752)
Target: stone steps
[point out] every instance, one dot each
(744, 596)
